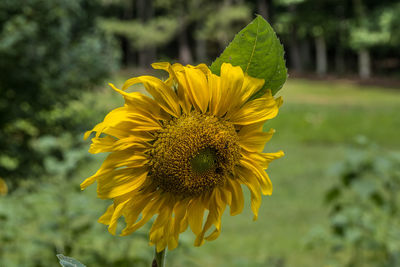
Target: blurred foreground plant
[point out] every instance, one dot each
(364, 225)
(38, 223)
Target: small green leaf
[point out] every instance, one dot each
(258, 51)
(68, 261)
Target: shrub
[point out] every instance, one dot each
(50, 52)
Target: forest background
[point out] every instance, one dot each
(342, 102)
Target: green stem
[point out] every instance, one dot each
(159, 258)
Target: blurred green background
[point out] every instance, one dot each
(335, 200)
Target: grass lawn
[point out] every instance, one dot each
(318, 122)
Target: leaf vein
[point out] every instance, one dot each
(254, 47)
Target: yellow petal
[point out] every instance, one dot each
(167, 234)
(115, 216)
(112, 119)
(203, 67)
(251, 182)
(155, 235)
(116, 160)
(120, 182)
(263, 159)
(164, 214)
(172, 243)
(197, 88)
(257, 110)
(111, 144)
(186, 99)
(88, 181)
(162, 93)
(167, 67)
(180, 211)
(123, 122)
(176, 71)
(253, 140)
(250, 87)
(161, 65)
(142, 104)
(215, 93)
(176, 229)
(124, 158)
(103, 144)
(134, 208)
(106, 217)
(211, 219)
(160, 230)
(268, 157)
(195, 215)
(261, 175)
(217, 208)
(230, 85)
(237, 197)
(152, 207)
(226, 194)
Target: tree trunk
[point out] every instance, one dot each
(294, 50)
(146, 57)
(264, 9)
(305, 54)
(340, 66)
(340, 63)
(145, 12)
(185, 55)
(321, 55)
(201, 50)
(295, 58)
(129, 56)
(364, 63)
(128, 53)
(201, 47)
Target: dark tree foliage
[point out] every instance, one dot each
(50, 52)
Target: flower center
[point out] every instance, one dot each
(193, 154)
(204, 160)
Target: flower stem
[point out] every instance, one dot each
(159, 258)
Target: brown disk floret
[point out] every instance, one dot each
(193, 154)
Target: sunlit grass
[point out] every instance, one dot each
(318, 112)
(338, 93)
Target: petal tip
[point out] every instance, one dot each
(160, 65)
(86, 135)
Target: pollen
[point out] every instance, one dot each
(193, 154)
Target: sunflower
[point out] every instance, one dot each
(185, 153)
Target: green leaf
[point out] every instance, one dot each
(258, 51)
(68, 261)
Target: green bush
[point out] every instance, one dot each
(364, 225)
(50, 52)
(56, 217)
